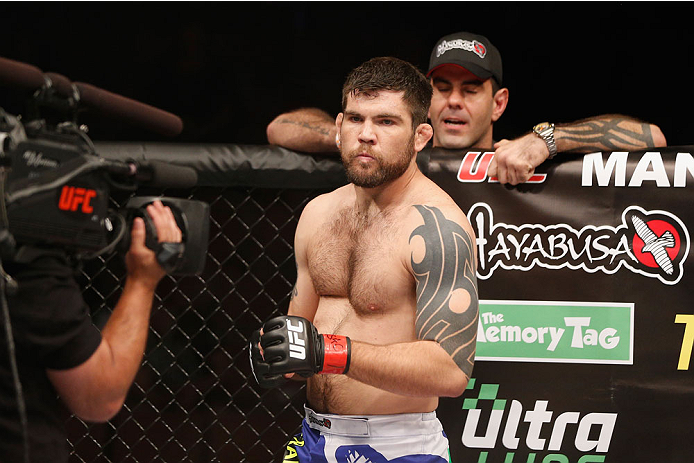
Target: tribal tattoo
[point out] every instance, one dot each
(447, 300)
(607, 134)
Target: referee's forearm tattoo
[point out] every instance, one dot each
(447, 300)
(306, 125)
(612, 133)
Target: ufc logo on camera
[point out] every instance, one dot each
(297, 346)
(71, 198)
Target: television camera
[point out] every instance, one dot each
(55, 187)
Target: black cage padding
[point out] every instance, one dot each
(262, 166)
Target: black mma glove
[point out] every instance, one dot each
(260, 368)
(292, 344)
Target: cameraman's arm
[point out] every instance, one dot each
(96, 389)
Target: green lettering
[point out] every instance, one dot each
(556, 458)
(592, 459)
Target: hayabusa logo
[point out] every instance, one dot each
(653, 244)
(657, 245)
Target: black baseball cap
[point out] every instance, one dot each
(471, 51)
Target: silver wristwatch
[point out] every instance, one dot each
(545, 130)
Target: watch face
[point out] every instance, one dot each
(541, 127)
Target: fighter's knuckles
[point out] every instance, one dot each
(271, 339)
(274, 324)
(274, 356)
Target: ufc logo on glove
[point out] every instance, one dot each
(296, 344)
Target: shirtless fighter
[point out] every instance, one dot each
(383, 317)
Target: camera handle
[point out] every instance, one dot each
(169, 255)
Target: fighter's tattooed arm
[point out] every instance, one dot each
(310, 130)
(447, 299)
(607, 133)
(295, 292)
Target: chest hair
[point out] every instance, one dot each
(348, 256)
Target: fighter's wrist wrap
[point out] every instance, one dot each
(337, 353)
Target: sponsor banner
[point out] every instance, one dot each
(500, 428)
(555, 331)
(651, 243)
(649, 169)
(586, 328)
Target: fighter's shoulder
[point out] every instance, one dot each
(323, 206)
(437, 211)
(434, 201)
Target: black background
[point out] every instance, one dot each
(227, 68)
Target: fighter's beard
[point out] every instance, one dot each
(382, 173)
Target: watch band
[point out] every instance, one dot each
(545, 130)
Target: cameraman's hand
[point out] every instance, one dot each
(96, 389)
(141, 261)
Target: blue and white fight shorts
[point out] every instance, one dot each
(405, 438)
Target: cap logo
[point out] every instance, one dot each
(467, 45)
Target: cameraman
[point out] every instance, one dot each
(61, 353)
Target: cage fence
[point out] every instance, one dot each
(194, 398)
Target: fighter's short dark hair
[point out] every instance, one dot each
(388, 73)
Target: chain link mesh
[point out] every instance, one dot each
(194, 398)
